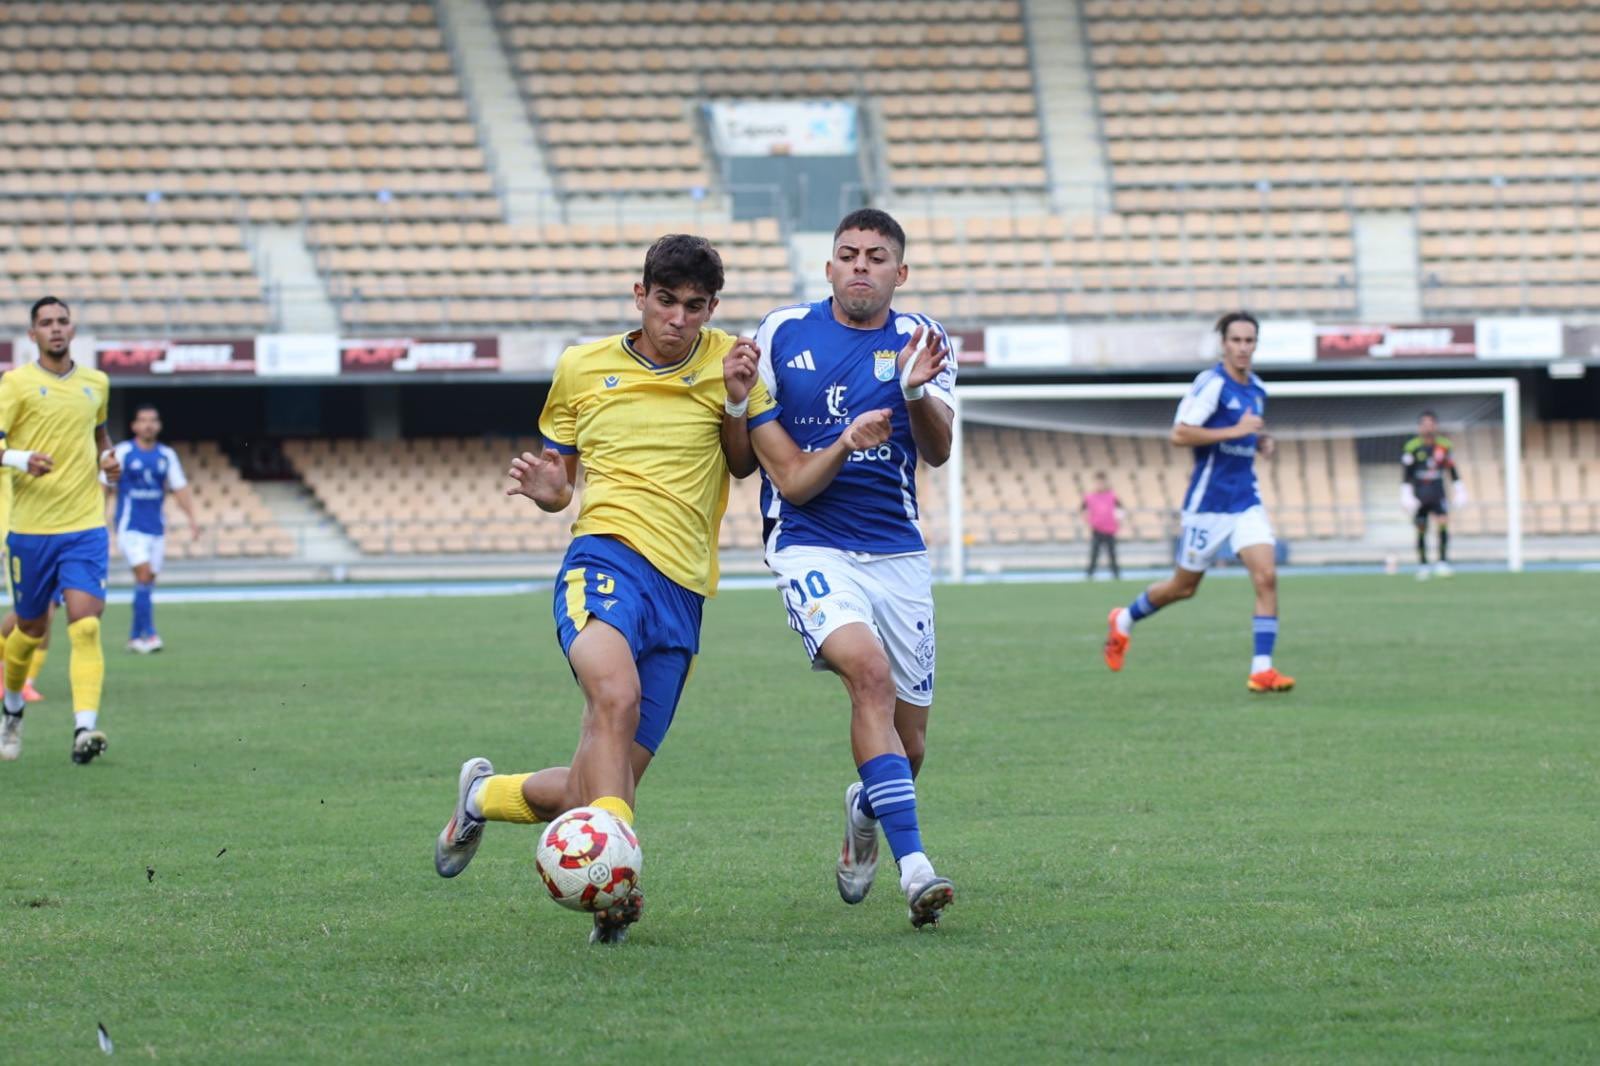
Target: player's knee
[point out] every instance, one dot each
(870, 682)
(614, 703)
(916, 746)
(1265, 580)
(84, 632)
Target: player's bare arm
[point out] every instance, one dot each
(739, 375)
(110, 465)
(801, 475)
(932, 422)
(185, 500)
(548, 479)
(1187, 436)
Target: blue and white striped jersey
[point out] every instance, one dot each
(142, 489)
(1224, 478)
(822, 374)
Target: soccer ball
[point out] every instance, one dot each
(588, 858)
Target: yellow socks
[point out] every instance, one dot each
(617, 806)
(502, 800)
(19, 649)
(36, 664)
(87, 667)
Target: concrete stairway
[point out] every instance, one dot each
(1068, 112)
(295, 289)
(1386, 267)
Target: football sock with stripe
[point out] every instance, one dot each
(87, 668)
(1140, 608)
(1266, 635)
(892, 798)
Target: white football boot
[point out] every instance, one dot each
(10, 736)
(86, 744)
(858, 857)
(928, 901)
(459, 839)
(1442, 569)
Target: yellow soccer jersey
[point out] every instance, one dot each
(58, 416)
(6, 474)
(650, 439)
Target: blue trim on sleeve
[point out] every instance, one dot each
(762, 419)
(564, 449)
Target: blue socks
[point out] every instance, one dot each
(1266, 633)
(888, 795)
(144, 612)
(1141, 608)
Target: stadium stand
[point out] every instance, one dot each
(1528, 258)
(951, 80)
(1359, 100)
(235, 521)
(1151, 265)
(405, 275)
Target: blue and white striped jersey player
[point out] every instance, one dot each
(150, 470)
(850, 562)
(1222, 419)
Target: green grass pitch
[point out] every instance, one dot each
(1399, 861)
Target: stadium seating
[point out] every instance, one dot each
(234, 520)
(1365, 99)
(1184, 265)
(1509, 257)
(952, 81)
(433, 275)
(272, 100)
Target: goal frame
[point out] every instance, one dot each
(1507, 388)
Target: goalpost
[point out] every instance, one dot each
(1369, 408)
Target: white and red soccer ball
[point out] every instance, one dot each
(588, 858)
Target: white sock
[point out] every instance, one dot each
(14, 702)
(1124, 621)
(86, 719)
(915, 869)
(475, 798)
(1259, 663)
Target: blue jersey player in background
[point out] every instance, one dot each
(850, 561)
(150, 470)
(1222, 420)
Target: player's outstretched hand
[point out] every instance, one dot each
(923, 357)
(541, 478)
(1266, 445)
(40, 464)
(110, 466)
(739, 369)
(868, 430)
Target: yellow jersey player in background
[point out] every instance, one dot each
(53, 430)
(647, 413)
(36, 662)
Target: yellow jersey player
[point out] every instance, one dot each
(648, 414)
(53, 430)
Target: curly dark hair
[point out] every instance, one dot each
(681, 259)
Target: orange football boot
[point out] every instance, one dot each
(29, 693)
(1269, 680)
(1116, 642)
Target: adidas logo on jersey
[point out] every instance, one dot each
(803, 361)
(1233, 403)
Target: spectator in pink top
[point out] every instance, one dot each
(1103, 511)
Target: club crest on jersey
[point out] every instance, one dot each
(688, 379)
(883, 364)
(611, 381)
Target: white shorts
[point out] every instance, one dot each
(139, 548)
(825, 588)
(1204, 533)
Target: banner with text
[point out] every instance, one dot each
(783, 127)
(129, 358)
(408, 355)
(1438, 340)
